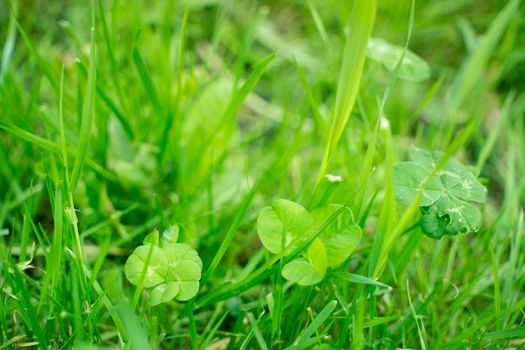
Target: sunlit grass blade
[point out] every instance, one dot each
(360, 24)
(114, 70)
(172, 116)
(9, 44)
(88, 110)
(227, 240)
(319, 320)
(53, 147)
(145, 76)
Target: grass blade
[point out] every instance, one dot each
(360, 23)
(88, 110)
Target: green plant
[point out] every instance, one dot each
(285, 225)
(413, 68)
(157, 112)
(172, 269)
(447, 193)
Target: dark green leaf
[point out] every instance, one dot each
(445, 206)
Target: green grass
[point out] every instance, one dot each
(121, 117)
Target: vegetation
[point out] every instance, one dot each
(262, 174)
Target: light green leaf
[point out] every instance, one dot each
(184, 268)
(171, 234)
(302, 272)
(340, 246)
(188, 289)
(175, 269)
(152, 238)
(354, 278)
(413, 68)
(156, 270)
(285, 222)
(295, 218)
(163, 292)
(322, 214)
(279, 224)
(341, 236)
(316, 255)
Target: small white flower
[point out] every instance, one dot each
(385, 124)
(333, 178)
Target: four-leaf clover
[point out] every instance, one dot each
(172, 269)
(445, 204)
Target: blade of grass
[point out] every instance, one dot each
(88, 110)
(256, 331)
(164, 141)
(42, 65)
(10, 41)
(360, 24)
(27, 309)
(53, 147)
(414, 315)
(475, 65)
(370, 152)
(314, 326)
(145, 75)
(231, 232)
(490, 142)
(114, 72)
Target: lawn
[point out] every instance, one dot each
(262, 174)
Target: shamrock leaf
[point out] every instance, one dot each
(281, 223)
(302, 272)
(286, 222)
(413, 68)
(156, 268)
(174, 269)
(184, 268)
(445, 206)
(317, 256)
(341, 236)
(164, 292)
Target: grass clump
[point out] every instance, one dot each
(144, 147)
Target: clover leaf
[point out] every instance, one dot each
(413, 68)
(184, 268)
(445, 203)
(279, 224)
(164, 292)
(302, 272)
(173, 269)
(286, 223)
(341, 236)
(156, 266)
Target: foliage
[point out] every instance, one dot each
(446, 193)
(172, 269)
(286, 225)
(121, 118)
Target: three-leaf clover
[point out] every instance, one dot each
(445, 204)
(286, 224)
(172, 269)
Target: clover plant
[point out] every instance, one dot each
(286, 224)
(446, 202)
(172, 269)
(413, 68)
